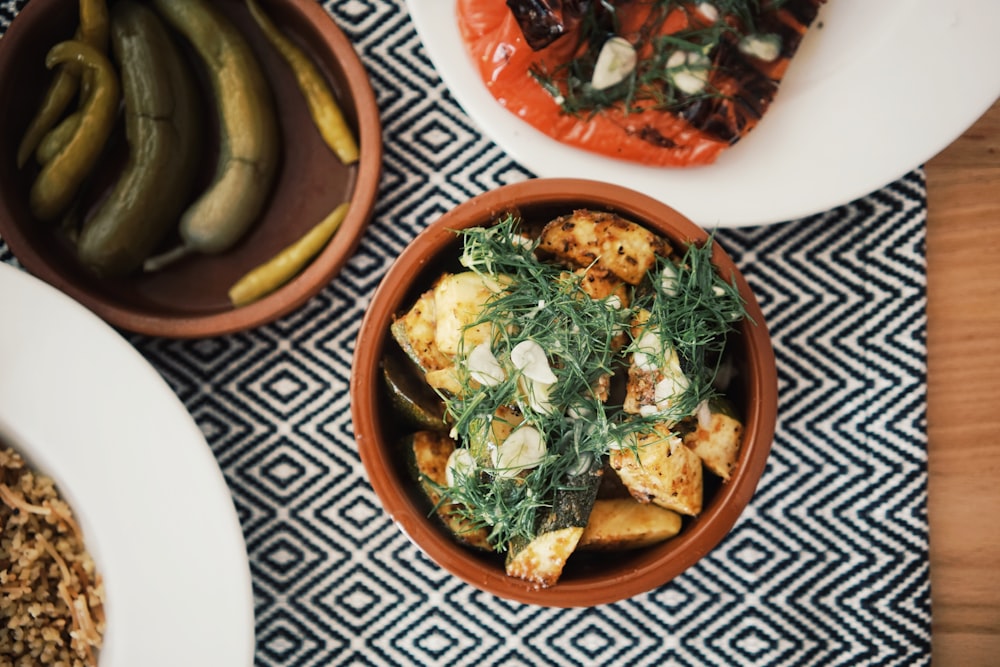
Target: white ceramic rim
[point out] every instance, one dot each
(86, 408)
(876, 90)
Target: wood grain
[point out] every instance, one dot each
(963, 265)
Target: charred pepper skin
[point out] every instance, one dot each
(57, 183)
(248, 130)
(164, 133)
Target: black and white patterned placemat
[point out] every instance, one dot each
(828, 565)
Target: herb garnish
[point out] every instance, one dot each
(586, 341)
(653, 82)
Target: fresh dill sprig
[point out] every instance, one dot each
(651, 84)
(692, 309)
(586, 342)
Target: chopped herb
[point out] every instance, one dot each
(586, 341)
(653, 83)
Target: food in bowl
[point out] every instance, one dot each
(565, 386)
(51, 595)
(590, 577)
(190, 297)
(659, 82)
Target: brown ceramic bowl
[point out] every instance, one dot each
(189, 299)
(616, 575)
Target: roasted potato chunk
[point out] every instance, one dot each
(662, 470)
(623, 523)
(718, 443)
(587, 237)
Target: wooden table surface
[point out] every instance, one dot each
(963, 257)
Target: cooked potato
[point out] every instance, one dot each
(718, 445)
(542, 561)
(614, 243)
(624, 523)
(599, 283)
(662, 470)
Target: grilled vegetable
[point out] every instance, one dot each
(660, 469)
(93, 30)
(687, 79)
(323, 107)
(164, 133)
(56, 138)
(411, 398)
(284, 266)
(538, 337)
(615, 244)
(442, 322)
(623, 523)
(60, 179)
(542, 559)
(429, 452)
(414, 332)
(248, 130)
(717, 437)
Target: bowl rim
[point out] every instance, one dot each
(301, 288)
(652, 569)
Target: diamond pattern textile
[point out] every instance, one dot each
(828, 565)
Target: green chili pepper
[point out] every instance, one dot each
(56, 138)
(60, 179)
(286, 264)
(93, 30)
(323, 108)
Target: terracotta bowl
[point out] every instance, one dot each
(617, 575)
(189, 298)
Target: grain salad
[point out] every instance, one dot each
(51, 596)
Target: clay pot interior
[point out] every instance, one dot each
(189, 298)
(589, 579)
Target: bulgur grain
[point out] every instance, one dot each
(51, 596)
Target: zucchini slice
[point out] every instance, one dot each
(429, 452)
(410, 396)
(415, 330)
(541, 561)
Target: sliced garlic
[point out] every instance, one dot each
(766, 47)
(484, 367)
(523, 449)
(584, 463)
(538, 394)
(460, 466)
(668, 280)
(704, 414)
(629, 441)
(529, 358)
(615, 62)
(708, 10)
(688, 71)
(648, 351)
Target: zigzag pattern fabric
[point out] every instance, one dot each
(828, 565)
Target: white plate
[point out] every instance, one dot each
(82, 405)
(876, 91)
